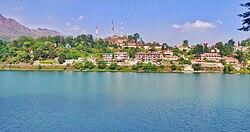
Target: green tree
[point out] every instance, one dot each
(79, 66)
(185, 43)
(149, 67)
(136, 37)
(61, 58)
(239, 55)
(102, 64)
(23, 56)
(198, 50)
(89, 65)
(113, 66)
(228, 69)
(231, 43)
(188, 62)
(196, 67)
(173, 67)
(135, 67)
(246, 18)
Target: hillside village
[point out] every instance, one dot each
(125, 51)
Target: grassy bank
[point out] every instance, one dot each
(166, 69)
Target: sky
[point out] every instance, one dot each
(170, 21)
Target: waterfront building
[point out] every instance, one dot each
(121, 56)
(108, 57)
(211, 56)
(230, 60)
(149, 57)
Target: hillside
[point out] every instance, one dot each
(11, 29)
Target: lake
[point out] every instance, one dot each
(92, 101)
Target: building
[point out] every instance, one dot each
(215, 50)
(171, 58)
(69, 62)
(230, 60)
(79, 60)
(186, 48)
(121, 56)
(132, 45)
(93, 60)
(241, 48)
(149, 57)
(168, 52)
(157, 46)
(119, 40)
(211, 56)
(108, 57)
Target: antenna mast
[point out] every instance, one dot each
(97, 32)
(121, 28)
(113, 28)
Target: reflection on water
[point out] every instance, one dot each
(66, 101)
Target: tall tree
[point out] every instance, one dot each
(136, 36)
(185, 43)
(246, 18)
(231, 42)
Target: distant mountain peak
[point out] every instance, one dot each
(11, 29)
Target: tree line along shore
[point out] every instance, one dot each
(128, 53)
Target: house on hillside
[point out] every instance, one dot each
(230, 60)
(168, 52)
(211, 56)
(93, 60)
(171, 58)
(186, 48)
(121, 56)
(108, 57)
(149, 57)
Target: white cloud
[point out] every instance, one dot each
(80, 17)
(219, 22)
(50, 18)
(67, 24)
(200, 25)
(18, 8)
(74, 29)
(176, 26)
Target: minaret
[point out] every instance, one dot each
(121, 28)
(113, 28)
(97, 32)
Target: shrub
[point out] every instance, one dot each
(196, 67)
(187, 62)
(78, 66)
(135, 67)
(102, 64)
(173, 67)
(113, 66)
(89, 65)
(39, 67)
(228, 69)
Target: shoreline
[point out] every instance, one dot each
(71, 69)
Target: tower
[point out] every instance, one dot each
(97, 32)
(113, 28)
(121, 28)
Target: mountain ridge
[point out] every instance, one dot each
(11, 29)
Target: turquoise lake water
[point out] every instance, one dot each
(82, 101)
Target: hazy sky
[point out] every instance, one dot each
(170, 21)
